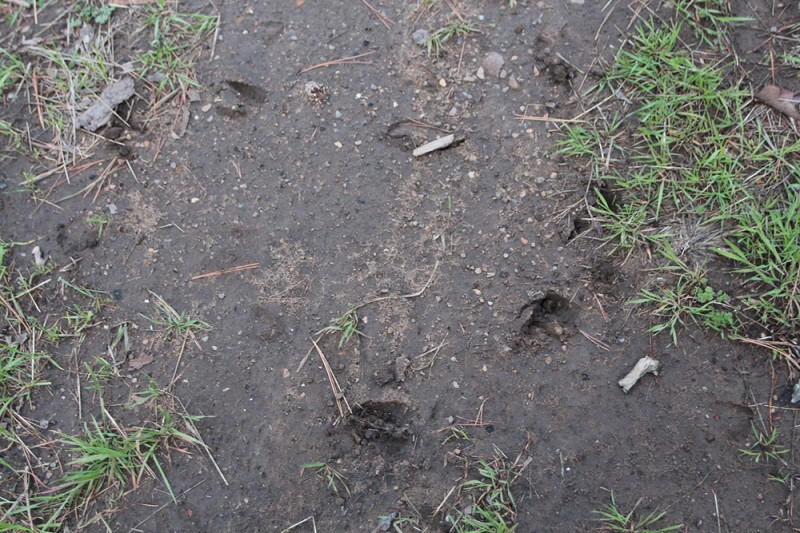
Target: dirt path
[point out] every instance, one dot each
(317, 185)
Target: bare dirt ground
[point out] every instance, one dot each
(319, 188)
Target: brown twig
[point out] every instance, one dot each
(350, 60)
(386, 21)
(778, 347)
(338, 395)
(596, 341)
(550, 119)
(455, 10)
(239, 268)
(411, 295)
(600, 306)
(420, 124)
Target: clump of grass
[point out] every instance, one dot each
(12, 70)
(690, 296)
(684, 167)
(175, 36)
(614, 519)
(176, 325)
(710, 20)
(345, 325)
(90, 12)
(456, 432)
(492, 506)
(433, 44)
(20, 371)
(765, 447)
(108, 460)
(765, 246)
(332, 477)
(101, 220)
(69, 77)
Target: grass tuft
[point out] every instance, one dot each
(614, 519)
(686, 169)
(433, 44)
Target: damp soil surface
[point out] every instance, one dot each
(510, 321)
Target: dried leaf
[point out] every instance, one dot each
(138, 362)
(99, 113)
(779, 99)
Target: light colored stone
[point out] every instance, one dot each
(493, 64)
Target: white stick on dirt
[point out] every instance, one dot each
(645, 365)
(438, 144)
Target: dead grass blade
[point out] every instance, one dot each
(337, 390)
(350, 60)
(239, 268)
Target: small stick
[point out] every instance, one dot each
(178, 362)
(374, 300)
(600, 306)
(194, 430)
(716, 507)
(386, 21)
(419, 124)
(460, 58)
(239, 268)
(455, 11)
(434, 350)
(550, 119)
(438, 144)
(214, 38)
(338, 395)
(135, 528)
(598, 342)
(350, 60)
(80, 401)
(412, 295)
(443, 501)
(301, 522)
(774, 345)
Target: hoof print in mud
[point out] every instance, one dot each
(248, 91)
(381, 421)
(552, 314)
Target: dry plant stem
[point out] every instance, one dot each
(386, 21)
(350, 60)
(778, 347)
(455, 10)
(227, 271)
(549, 119)
(301, 522)
(85, 191)
(402, 296)
(444, 501)
(338, 395)
(196, 433)
(151, 515)
(178, 363)
(420, 124)
(381, 298)
(595, 340)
